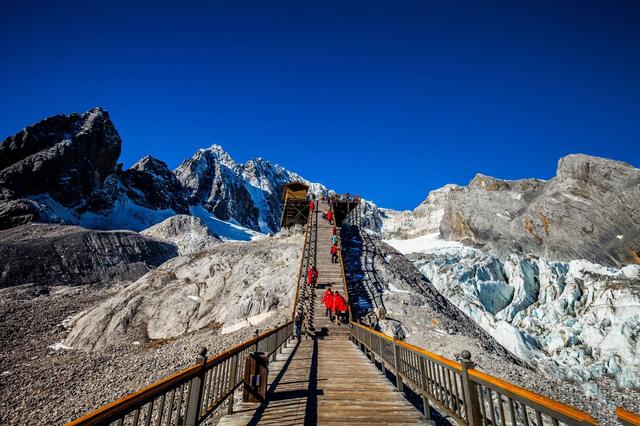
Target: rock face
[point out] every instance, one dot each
(67, 156)
(63, 170)
(423, 220)
(150, 183)
(590, 210)
(248, 193)
(231, 285)
(188, 233)
(50, 255)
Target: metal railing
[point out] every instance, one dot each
(192, 395)
(455, 388)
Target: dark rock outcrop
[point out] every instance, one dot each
(590, 210)
(151, 184)
(66, 156)
(48, 254)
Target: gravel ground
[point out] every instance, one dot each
(42, 386)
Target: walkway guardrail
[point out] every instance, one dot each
(469, 396)
(192, 395)
(627, 418)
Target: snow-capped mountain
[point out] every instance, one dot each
(249, 194)
(63, 170)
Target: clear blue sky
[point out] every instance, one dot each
(389, 99)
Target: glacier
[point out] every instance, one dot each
(574, 320)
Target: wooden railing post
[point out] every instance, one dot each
(470, 390)
(232, 380)
(422, 365)
(396, 359)
(371, 351)
(194, 405)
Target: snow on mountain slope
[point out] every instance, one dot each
(226, 231)
(577, 320)
(249, 194)
(423, 220)
(188, 233)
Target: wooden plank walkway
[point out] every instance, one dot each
(326, 380)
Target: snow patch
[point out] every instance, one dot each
(423, 244)
(253, 320)
(60, 346)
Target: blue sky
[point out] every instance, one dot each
(386, 99)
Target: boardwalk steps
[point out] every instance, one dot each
(324, 378)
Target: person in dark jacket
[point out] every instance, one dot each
(298, 319)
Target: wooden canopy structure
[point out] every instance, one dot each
(296, 206)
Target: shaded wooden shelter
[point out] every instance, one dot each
(296, 206)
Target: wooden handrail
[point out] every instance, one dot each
(344, 278)
(113, 408)
(627, 417)
(234, 350)
(525, 394)
(533, 399)
(304, 245)
(147, 393)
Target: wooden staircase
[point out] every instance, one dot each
(324, 378)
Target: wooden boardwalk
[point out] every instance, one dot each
(326, 379)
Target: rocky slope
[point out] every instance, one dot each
(48, 254)
(528, 271)
(589, 210)
(188, 233)
(229, 286)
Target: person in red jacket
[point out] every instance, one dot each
(312, 206)
(314, 276)
(327, 301)
(329, 216)
(338, 306)
(334, 254)
(310, 275)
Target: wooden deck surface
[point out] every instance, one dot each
(326, 380)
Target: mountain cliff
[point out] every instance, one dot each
(63, 170)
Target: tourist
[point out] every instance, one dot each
(327, 300)
(334, 254)
(298, 321)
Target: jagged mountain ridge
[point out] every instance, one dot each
(589, 210)
(63, 170)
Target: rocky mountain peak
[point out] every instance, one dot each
(597, 172)
(66, 156)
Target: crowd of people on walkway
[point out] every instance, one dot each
(336, 306)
